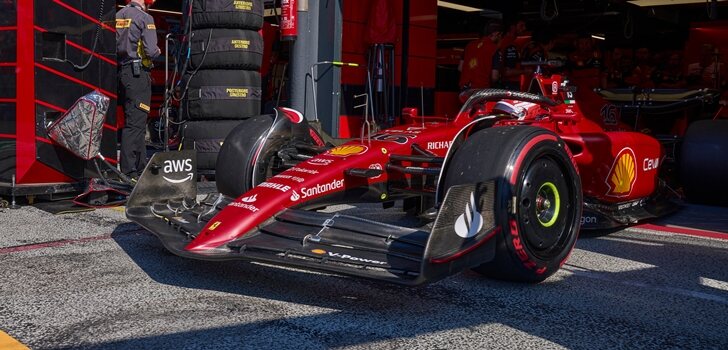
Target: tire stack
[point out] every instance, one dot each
(222, 81)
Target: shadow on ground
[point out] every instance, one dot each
(561, 311)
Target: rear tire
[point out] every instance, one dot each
(227, 14)
(222, 94)
(532, 166)
(226, 49)
(235, 162)
(704, 162)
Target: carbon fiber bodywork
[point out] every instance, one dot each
(319, 241)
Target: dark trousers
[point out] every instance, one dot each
(136, 92)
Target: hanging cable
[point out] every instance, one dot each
(96, 41)
(204, 55)
(628, 30)
(182, 56)
(710, 8)
(553, 15)
(276, 15)
(181, 60)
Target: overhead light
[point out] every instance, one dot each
(649, 3)
(598, 37)
(458, 7)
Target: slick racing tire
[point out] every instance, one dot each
(206, 137)
(222, 94)
(704, 162)
(226, 49)
(238, 155)
(239, 14)
(534, 173)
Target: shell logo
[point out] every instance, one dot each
(347, 150)
(318, 251)
(623, 174)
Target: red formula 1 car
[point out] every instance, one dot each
(507, 184)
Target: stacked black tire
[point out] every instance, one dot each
(222, 79)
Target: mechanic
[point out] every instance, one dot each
(708, 71)
(511, 46)
(537, 50)
(586, 71)
(480, 67)
(671, 74)
(617, 69)
(136, 46)
(643, 73)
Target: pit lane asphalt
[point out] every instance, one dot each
(96, 281)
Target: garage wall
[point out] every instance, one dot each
(422, 56)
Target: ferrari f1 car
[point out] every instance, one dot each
(507, 183)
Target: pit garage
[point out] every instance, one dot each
(368, 174)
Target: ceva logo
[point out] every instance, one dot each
(178, 166)
(470, 222)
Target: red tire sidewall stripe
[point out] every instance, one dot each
(524, 152)
(515, 237)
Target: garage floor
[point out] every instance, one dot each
(96, 281)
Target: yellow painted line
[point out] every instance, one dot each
(9, 343)
(121, 208)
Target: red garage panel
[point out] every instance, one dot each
(38, 85)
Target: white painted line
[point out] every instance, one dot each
(577, 271)
(598, 262)
(722, 285)
(632, 241)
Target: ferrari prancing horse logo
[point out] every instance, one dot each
(623, 174)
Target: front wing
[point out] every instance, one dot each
(330, 241)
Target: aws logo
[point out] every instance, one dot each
(623, 174)
(347, 150)
(178, 166)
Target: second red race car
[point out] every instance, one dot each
(507, 185)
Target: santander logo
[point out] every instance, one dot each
(250, 199)
(470, 222)
(295, 196)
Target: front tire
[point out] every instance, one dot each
(237, 157)
(538, 198)
(704, 162)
